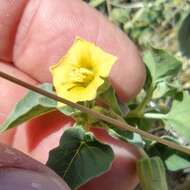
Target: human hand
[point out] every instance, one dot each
(34, 35)
(20, 172)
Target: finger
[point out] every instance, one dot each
(19, 171)
(48, 28)
(10, 13)
(9, 96)
(30, 134)
(11, 93)
(41, 135)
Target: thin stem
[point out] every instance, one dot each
(154, 116)
(143, 153)
(121, 125)
(139, 111)
(108, 4)
(147, 98)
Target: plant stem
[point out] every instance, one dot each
(139, 111)
(143, 153)
(109, 8)
(121, 125)
(154, 116)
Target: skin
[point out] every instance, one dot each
(36, 34)
(17, 170)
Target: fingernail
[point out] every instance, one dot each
(20, 179)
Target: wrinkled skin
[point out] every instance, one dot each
(34, 35)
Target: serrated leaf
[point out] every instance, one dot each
(161, 64)
(184, 36)
(32, 105)
(80, 157)
(173, 159)
(152, 174)
(179, 116)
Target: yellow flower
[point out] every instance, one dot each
(79, 74)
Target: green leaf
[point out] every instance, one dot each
(110, 99)
(161, 65)
(126, 136)
(176, 162)
(80, 157)
(165, 88)
(184, 36)
(179, 116)
(152, 174)
(120, 15)
(162, 69)
(32, 105)
(67, 110)
(104, 87)
(173, 159)
(96, 3)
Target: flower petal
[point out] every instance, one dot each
(78, 75)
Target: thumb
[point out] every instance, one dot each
(18, 171)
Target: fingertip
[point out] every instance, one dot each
(128, 74)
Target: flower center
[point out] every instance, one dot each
(81, 76)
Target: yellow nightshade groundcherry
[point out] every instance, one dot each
(78, 75)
